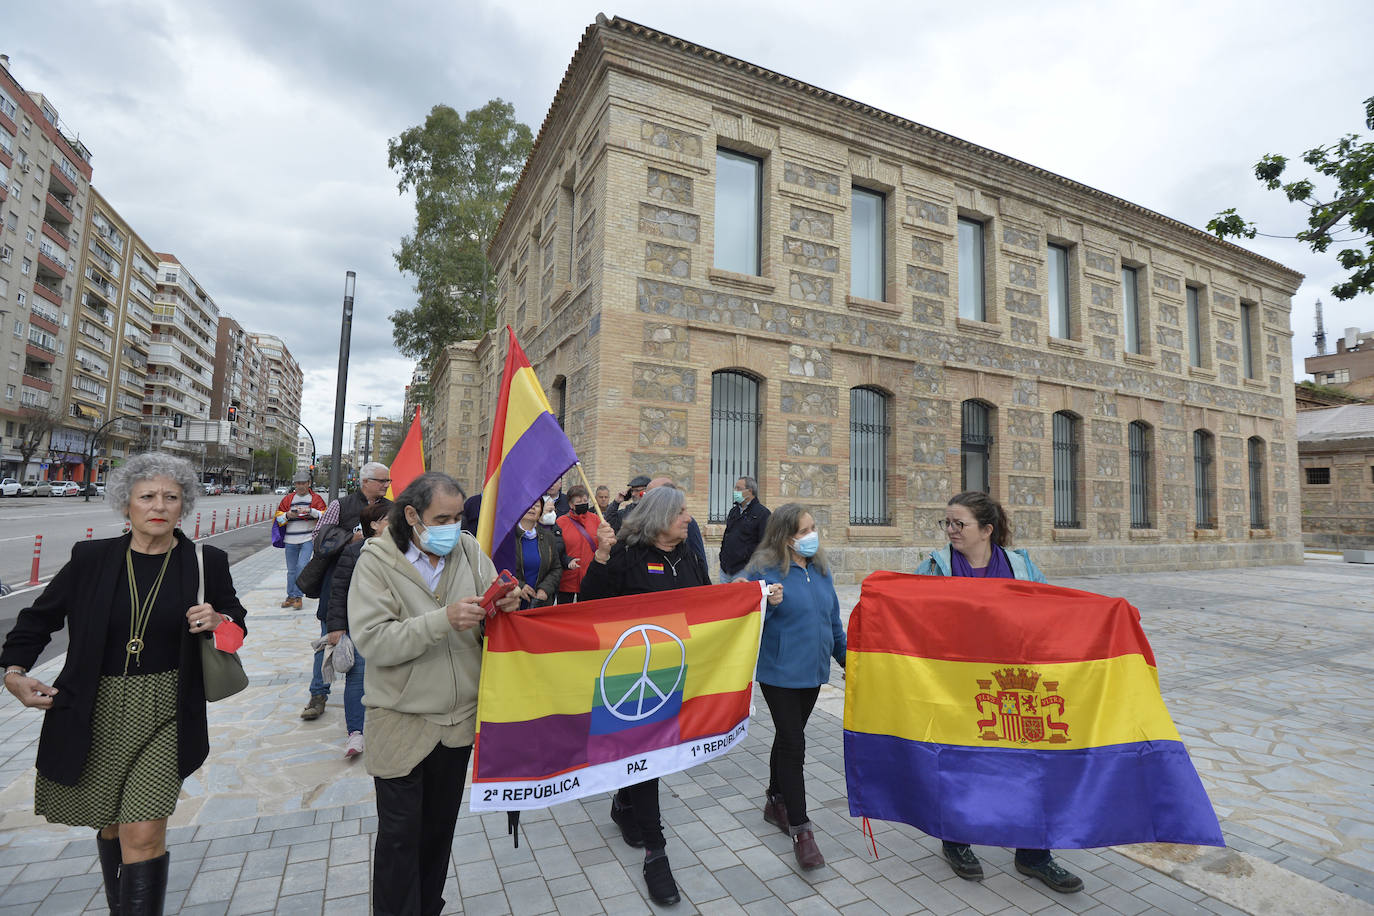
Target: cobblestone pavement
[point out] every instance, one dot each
(1269, 674)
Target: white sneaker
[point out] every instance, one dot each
(354, 747)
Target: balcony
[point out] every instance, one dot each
(44, 321)
(58, 209)
(59, 182)
(45, 291)
(51, 266)
(40, 353)
(46, 313)
(56, 235)
(41, 384)
(138, 340)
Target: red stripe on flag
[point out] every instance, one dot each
(713, 714)
(992, 620)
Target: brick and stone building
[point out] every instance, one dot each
(1336, 454)
(716, 270)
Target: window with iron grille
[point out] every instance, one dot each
(735, 420)
(1319, 476)
(1066, 459)
(1140, 475)
(868, 434)
(975, 446)
(1203, 498)
(1256, 456)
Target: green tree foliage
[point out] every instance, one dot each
(462, 169)
(278, 463)
(1350, 164)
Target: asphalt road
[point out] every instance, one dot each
(63, 521)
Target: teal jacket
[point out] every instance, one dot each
(938, 564)
(803, 632)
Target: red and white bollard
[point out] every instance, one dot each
(37, 554)
(213, 516)
(197, 537)
(90, 533)
(238, 518)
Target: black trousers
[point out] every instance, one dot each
(564, 597)
(791, 708)
(642, 800)
(415, 818)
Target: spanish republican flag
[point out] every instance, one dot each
(1010, 713)
(410, 460)
(528, 452)
(582, 698)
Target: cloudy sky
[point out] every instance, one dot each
(249, 138)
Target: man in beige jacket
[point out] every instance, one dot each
(414, 613)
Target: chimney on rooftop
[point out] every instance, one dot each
(5, 62)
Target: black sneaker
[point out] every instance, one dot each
(962, 859)
(658, 878)
(1053, 874)
(624, 819)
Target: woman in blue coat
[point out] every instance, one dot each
(801, 633)
(979, 541)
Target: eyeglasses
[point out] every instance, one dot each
(380, 479)
(951, 524)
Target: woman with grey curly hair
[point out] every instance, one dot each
(651, 554)
(124, 721)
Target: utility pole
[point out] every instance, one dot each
(341, 389)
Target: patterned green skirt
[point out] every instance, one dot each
(131, 769)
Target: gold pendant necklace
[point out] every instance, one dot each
(140, 614)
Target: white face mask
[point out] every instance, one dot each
(548, 518)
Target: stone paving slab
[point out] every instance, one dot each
(1267, 673)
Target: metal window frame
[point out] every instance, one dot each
(1255, 461)
(735, 422)
(882, 241)
(1204, 510)
(868, 454)
(1139, 443)
(758, 205)
(975, 438)
(981, 306)
(1065, 437)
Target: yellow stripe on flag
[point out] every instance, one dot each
(1106, 701)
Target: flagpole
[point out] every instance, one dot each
(588, 484)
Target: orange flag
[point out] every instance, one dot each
(410, 460)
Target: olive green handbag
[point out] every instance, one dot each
(223, 672)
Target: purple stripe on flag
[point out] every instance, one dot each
(533, 749)
(631, 741)
(540, 456)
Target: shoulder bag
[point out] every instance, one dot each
(223, 671)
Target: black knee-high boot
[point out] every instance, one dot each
(143, 886)
(110, 857)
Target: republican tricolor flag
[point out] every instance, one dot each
(529, 451)
(588, 697)
(1010, 713)
(409, 462)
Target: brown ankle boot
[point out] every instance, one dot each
(775, 812)
(804, 847)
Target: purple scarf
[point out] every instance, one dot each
(999, 567)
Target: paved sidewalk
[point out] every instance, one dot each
(1269, 674)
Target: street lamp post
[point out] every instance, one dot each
(341, 389)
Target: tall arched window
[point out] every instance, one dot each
(1066, 470)
(1255, 456)
(868, 432)
(1140, 475)
(735, 422)
(1204, 489)
(975, 446)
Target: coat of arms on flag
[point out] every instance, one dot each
(582, 698)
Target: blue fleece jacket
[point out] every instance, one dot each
(803, 632)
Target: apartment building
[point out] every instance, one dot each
(718, 271)
(236, 403)
(180, 379)
(45, 176)
(280, 403)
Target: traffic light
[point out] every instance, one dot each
(233, 414)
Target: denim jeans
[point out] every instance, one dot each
(297, 555)
(318, 686)
(353, 694)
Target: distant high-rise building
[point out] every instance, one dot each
(281, 402)
(45, 176)
(239, 382)
(180, 382)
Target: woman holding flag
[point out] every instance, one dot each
(979, 534)
(652, 556)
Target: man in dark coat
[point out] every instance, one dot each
(743, 529)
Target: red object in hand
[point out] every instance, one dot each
(502, 586)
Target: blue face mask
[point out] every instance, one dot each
(440, 539)
(807, 544)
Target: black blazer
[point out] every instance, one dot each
(79, 596)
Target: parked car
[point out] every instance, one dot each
(94, 489)
(281, 491)
(45, 487)
(213, 489)
(9, 487)
(28, 487)
(67, 488)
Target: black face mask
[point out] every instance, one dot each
(580, 508)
